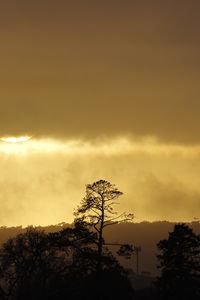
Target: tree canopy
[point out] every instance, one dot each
(179, 261)
(97, 210)
(59, 265)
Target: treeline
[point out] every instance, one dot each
(75, 263)
(61, 265)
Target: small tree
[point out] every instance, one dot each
(96, 209)
(180, 264)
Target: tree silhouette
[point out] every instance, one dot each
(85, 283)
(28, 265)
(96, 210)
(180, 264)
(77, 243)
(61, 265)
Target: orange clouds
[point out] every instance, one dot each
(43, 181)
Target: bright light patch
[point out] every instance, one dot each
(13, 139)
(160, 180)
(26, 145)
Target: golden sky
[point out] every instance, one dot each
(118, 79)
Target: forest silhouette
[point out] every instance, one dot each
(78, 261)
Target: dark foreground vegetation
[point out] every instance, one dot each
(62, 265)
(75, 262)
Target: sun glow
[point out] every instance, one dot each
(26, 145)
(13, 139)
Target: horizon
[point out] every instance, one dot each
(63, 224)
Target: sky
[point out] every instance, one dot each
(107, 90)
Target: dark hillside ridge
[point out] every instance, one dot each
(144, 234)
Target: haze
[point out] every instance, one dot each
(108, 89)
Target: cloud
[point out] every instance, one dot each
(42, 181)
(170, 199)
(94, 82)
(101, 68)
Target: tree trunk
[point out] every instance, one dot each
(100, 242)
